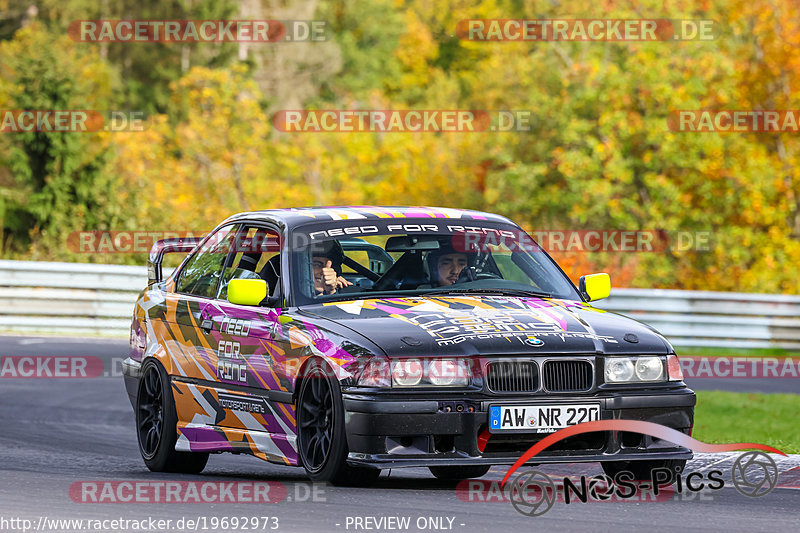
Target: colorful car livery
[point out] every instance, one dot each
(346, 340)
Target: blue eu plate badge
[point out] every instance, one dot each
(494, 417)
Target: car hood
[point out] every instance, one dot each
(490, 325)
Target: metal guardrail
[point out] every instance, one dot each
(75, 298)
(82, 298)
(715, 319)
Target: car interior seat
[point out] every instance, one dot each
(271, 273)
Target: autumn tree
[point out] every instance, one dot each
(53, 182)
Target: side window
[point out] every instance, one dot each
(359, 256)
(367, 252)
(256, 256)
(201, 274)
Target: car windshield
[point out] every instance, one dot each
(358, 259)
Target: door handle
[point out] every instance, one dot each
(207, 325)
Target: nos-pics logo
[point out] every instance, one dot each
(533, 493)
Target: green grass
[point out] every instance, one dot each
(736, 352)
(725, 417)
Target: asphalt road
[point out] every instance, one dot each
(58, 433)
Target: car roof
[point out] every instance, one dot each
(297, 216)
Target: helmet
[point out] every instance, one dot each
(330, 249)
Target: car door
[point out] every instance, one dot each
(250, 356)
(191, 345)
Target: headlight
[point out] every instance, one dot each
(430, 372)
(448, 373)
(634, 369)
(649, 368)
(406, 373)
(619, 369)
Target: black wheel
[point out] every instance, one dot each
(155, 425)
(321, 439)
(642, 470)
(457, 473)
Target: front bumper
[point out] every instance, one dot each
(392, 433)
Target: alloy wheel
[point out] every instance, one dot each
(316, 422)
(151, 412)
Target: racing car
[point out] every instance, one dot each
(347, 340)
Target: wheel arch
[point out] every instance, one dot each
(308, 359)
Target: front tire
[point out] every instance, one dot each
(642, 470)
(457, 473)
(321, 437)
(156, 421)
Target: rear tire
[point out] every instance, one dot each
(321, 437)
(156, 422)
(457, 473)
(642, 470)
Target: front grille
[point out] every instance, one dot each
(567, 376)
(512, 376)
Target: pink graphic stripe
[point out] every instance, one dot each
(634, 426)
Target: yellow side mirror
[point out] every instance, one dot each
(247, 291)
(595, 286)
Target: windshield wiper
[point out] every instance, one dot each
(503, 292)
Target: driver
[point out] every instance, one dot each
(446, 264)
(326, 264)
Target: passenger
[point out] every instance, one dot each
(326, 263)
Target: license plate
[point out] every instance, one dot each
(541, 418)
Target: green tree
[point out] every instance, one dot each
(59, 179)
(145, 69)
(368, 32)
